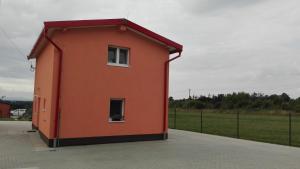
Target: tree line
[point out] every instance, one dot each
(241, 100)
(20, 105)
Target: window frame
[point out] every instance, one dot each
(44, 105)
(118, 56)
(123, 110)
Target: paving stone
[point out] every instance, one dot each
(20, 149)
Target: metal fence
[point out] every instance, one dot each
(273, 127)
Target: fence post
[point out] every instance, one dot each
(238, 124)
(175, 117)
(201, 122)
(290, 128)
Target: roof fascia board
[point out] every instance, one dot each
(173, 46)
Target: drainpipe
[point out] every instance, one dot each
(165, 127)
(57, 106)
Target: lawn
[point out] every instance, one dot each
(7, 119)
(265, 126)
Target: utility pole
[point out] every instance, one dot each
(189, 100)
(290, 128)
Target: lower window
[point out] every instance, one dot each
(116, 112)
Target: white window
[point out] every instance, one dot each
(118, 56)
(116, 112)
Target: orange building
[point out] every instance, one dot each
(4, 109)
(101, 81)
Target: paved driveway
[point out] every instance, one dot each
(20, 149)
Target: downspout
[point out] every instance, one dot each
(166, 85)
(57, 103)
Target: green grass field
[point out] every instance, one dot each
(7, 119)
(264, 126)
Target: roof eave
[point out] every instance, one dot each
(90, 23)
(33, 50)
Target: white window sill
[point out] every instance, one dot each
(119, 65)
(110, 121)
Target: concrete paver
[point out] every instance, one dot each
(21, 149)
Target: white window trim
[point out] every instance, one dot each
(123, 110)
(118, 58)
(116, 64)
(110, 121)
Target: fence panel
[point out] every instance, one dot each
(171, 118)
(185, 120)
(188, 120)
(271, 128)
(219, 123)
(295, 125)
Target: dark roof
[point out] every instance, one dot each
(40, 43)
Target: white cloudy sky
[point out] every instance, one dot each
(229, 45)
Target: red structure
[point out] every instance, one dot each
(100, 81)
(4, 110)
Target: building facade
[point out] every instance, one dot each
(4, 110)
(100, 81)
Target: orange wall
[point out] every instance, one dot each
(88, 83)
(43, 90)
(4, 110)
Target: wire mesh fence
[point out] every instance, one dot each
(280, 127)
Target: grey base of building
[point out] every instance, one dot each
(34, 127)
(103, 139)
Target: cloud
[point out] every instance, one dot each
(13, 88)
(229, 45)
(235, 48)
(217, 6)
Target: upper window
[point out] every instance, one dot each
(118, 56)
(116, 112)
